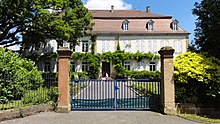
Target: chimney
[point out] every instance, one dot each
(112, 8)
(148, 9)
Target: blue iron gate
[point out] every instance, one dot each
(115, 94)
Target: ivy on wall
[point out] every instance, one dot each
(117, 58)
(93, 40)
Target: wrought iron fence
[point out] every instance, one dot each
(17, 92)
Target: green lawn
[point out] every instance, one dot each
(199, 118)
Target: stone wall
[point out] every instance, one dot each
(199, 109)
(18, 113)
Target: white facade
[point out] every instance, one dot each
(134, 31)
(133, 44)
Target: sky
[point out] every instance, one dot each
(179, 9)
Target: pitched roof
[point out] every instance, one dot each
(119, 14)
(110, 22)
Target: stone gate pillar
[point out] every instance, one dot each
(63, 80)
(167, 81)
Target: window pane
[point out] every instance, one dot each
(85, 46)
(105, 46)
(125, 26)
(127, 65)
(85, 66)
(152, 66)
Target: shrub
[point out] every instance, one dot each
(139, 74)
(17, 74)
(197, 78)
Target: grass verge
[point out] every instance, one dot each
(199, 118)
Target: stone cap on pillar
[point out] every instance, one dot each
(166, 52)
(64, 52)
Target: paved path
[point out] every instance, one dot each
(104, 89)
(100, 117)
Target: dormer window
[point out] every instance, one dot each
(150, 25)
(125, 25)
(174, 25)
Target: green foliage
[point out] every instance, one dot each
(208, 27)
(197, 67)
(93, 39)
(139, 74)
(41, 95)
(117, 58)
(78, 55)
(197, 78)
(79, 75)
(20, 75)
(47, 56)
(67, 20)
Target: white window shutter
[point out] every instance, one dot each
(136, 44)
(80, 48)
(90, 46)
(103, 46)
(139, 46)
(179, 47)
(149, 46)
(166, 43)
(161, 44)
(155, 46)
(123, 45)
(107, 46)
(129, 42)
(175, 46)
(142, 46)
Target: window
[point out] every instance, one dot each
(152, 46)
(177, 46)
(85, 46)
(150, 25)
(125, 25)
(152, 66)
(47, 67)
(85, 66)
(105, 46)
(140, 46)
(141, 65)
(174, 25)
(162, 44)
(72, 66)
(127, 46)
(127, 65)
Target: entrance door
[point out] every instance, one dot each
(105, 69)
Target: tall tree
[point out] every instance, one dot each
(37, 20)
(207, 30)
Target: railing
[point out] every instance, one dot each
(17, 92)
